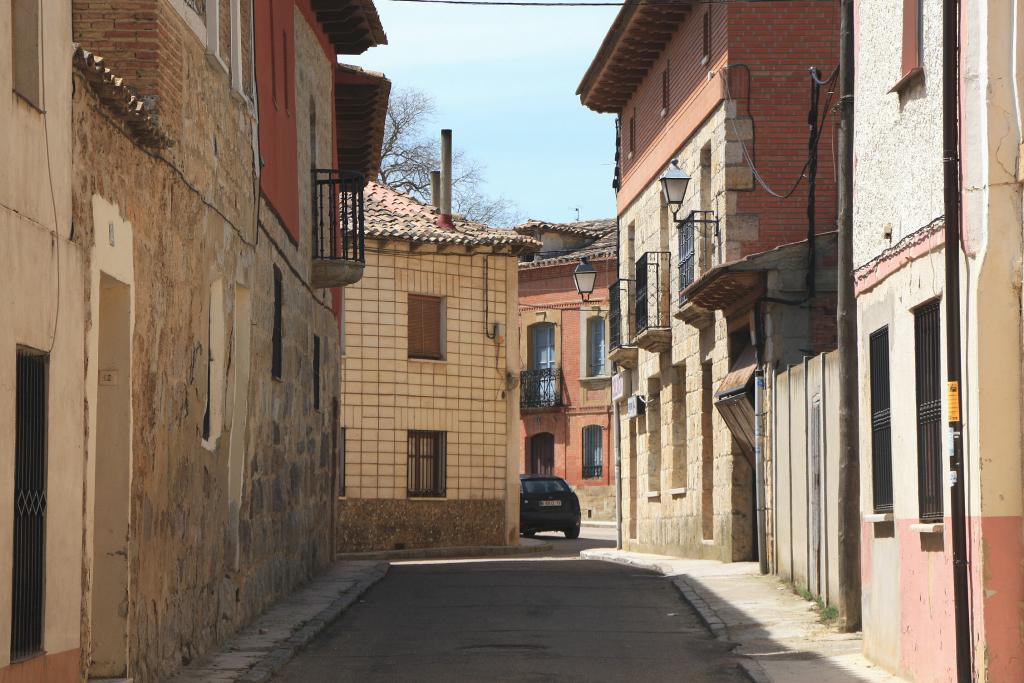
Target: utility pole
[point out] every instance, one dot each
(846, 314)
(951, 206)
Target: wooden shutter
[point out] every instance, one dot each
(424, 326)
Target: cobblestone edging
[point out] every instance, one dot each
(711, 619)
(261, 649)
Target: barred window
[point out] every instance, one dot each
(928, 375)
(593, 452)
(427, 469)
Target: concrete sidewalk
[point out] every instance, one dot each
(265, 645)
(778, 632)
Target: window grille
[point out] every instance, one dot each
(316, 372)
(425, 327)
(276, 359)
(652, 293)
(426, 467)
(28, 566)
(929, 411)
(881, 430)
(593, 452)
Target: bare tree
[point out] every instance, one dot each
(410, 153)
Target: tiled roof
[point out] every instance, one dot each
(391, 215)
(605, 246)
(122, 100)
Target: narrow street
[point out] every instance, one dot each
(552, 617)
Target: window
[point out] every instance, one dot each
(425, 329)
(913, 30)
(706, 39)
(664, 91)
(28, 569)
(881, 434)
(929, 411)
(276, 360)
(25, 52)
(427, 471)
(539, 487)
(593, 451)
(595, 346)
(316, 372)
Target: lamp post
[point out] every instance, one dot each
(674, 182)
(585, 276)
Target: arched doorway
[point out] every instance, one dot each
(542, 453)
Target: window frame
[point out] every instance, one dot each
(595, 323)
(422, 353)
(589, 442)
(438, 441)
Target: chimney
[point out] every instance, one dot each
(445, 219)
(435, 189)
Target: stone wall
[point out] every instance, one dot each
(393, 524)
(219, 526)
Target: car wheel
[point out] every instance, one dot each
(572, 533)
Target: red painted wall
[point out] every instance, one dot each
(552, 287)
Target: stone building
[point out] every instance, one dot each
(899, 256)
(430, 362)
(723, 90)
(205, 192)
(42, 315)
(564, 389)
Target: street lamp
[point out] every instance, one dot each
(585, 275)
(674, 182)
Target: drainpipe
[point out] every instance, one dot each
(444, 220)
(762, 534)
(435, 189)
(951, 205)
(618, 473)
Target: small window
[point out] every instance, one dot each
(593, 452)
(595, 346)
(664, 90)
(276, 359)
(25, 52)
(316, 372)
(706, 39)
(425, 328)
(28, 566)
(426, 467)
(928, 380)
(881, 422)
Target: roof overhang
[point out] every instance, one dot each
(352, 26)
(360, 108)
(636, 39)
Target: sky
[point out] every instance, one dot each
(504, 80)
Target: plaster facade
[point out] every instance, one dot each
(42, 278)
(466, 394)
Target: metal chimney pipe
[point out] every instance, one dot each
(435, 189)
(444, 220)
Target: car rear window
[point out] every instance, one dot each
(536, 486)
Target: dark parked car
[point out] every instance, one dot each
(546, 503)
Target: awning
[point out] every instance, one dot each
(735, 400)
(360, 108)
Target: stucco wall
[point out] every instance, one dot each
(385, 393)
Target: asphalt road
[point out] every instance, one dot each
(552, 617)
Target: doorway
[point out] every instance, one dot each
(109, 654)
(542, 453)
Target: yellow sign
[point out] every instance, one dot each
(953, 397)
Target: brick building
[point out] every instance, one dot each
(565, 387)
(702, 290)
(205, 191)
(430, 413)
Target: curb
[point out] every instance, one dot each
(714, 623)
(462, 551)
(262, 670)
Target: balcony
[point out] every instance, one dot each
(653, 300)
(540, 388)
(696, 232)
(339, 232)
(621, 348)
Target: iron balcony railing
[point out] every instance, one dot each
(592, 471)
(652, 292)
(540, 388)
(695, 234)
(619, 298)
(339, 229)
